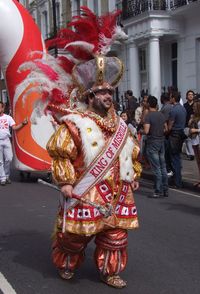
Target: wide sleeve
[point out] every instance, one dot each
(136, 164)
(63, 152)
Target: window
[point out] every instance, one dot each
(143, 68)
(4, 96)
(58, 15)
(96, 7)
(174, 54)
(23, 2)
(142, 59)
(44, 24)
(2, 77)
(119, 4)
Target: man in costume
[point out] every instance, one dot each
(94, 157)
(95, 141)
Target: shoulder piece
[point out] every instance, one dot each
(91, 135)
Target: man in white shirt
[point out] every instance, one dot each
(6, 154)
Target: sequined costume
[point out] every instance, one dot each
(67, 86)
(75, 144)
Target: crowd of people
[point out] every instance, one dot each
(162, 132)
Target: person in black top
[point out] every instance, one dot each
(132, 104)
(165, 110)
(154, 127)
(189, 111)
(176, 125)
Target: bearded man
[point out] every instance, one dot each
(95, 164)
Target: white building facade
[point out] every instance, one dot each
(164, 46)
(163, 49)
(42, 11)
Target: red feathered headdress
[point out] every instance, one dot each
(87, 38)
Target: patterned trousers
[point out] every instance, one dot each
(110, 253)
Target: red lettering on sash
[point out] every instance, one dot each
(110, 153)
(119, 137)
(94, 172)
(101, 164)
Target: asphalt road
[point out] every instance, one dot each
(164, 253)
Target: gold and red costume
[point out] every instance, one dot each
(77, 142)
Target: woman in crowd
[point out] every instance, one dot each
(194, 125)
(133, 130)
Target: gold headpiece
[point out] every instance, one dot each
(98, 73)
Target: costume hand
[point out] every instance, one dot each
(135, 185)
(67, 190)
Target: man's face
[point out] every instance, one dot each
(102, 100)
(190, 97)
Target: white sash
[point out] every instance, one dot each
(100, 166)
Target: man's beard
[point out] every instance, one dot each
(99, 106)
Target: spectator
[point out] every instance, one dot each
(132, 128)
(140, 110)
(189, 110)
(194, 124)
(140, 114)
(165, 110)
(167, 105)
(154, 127)
(132, 104)
(6, 122)
(176, 125)
(116, 106)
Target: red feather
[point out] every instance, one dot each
(57, 96)
(89, 28)
(109, 23)
(47, 70)
(79, 53)
(65, 63)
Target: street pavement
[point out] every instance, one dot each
(164, 253)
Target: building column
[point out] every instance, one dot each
(74, 7)
(154, 68)
(134, 70)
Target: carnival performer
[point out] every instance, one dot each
(95, 142)
(94, 156)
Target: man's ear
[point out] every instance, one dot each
(91, 97)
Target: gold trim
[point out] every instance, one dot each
(100, 63)
(100, 74)
(120, 74)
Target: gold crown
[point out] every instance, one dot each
(98, 73)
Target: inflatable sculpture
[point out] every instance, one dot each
(19, 36)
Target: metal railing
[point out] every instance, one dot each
(132, 8)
